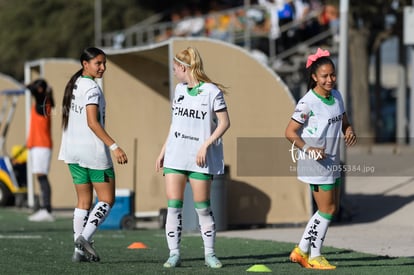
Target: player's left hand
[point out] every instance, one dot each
(201, 158)
(350, 138)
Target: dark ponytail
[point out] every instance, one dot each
(87, 54)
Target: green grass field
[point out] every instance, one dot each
(46, 248)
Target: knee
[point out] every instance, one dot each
(330, 209)
(84, 202)
(84, 205)
(109, 199)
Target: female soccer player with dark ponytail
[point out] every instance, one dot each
(86, 148)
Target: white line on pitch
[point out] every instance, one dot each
(20, 237)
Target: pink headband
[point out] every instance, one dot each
(313, 57)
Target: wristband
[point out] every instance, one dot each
(113, 147)
(305, 147)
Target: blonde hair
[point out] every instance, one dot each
(191, 58)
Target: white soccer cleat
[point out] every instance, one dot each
(41, 215)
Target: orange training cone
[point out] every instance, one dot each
(137, 245)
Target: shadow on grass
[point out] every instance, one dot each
(243, 257)
(381, 264)
(362, 208)
(347, 258)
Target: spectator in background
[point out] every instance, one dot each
(307, 27)
(219, 26)
(182, 21)
(285, 14)
(197, 22)
(280, 12)
(167, 33)
(272, 8)
(39, 142)
(218, 22)
(302, 10)
(329, 19)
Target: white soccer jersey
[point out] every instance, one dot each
(322, 126)
(193, 121)
(79, 144)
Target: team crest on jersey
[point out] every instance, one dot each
(179, 99)
(306, 116)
